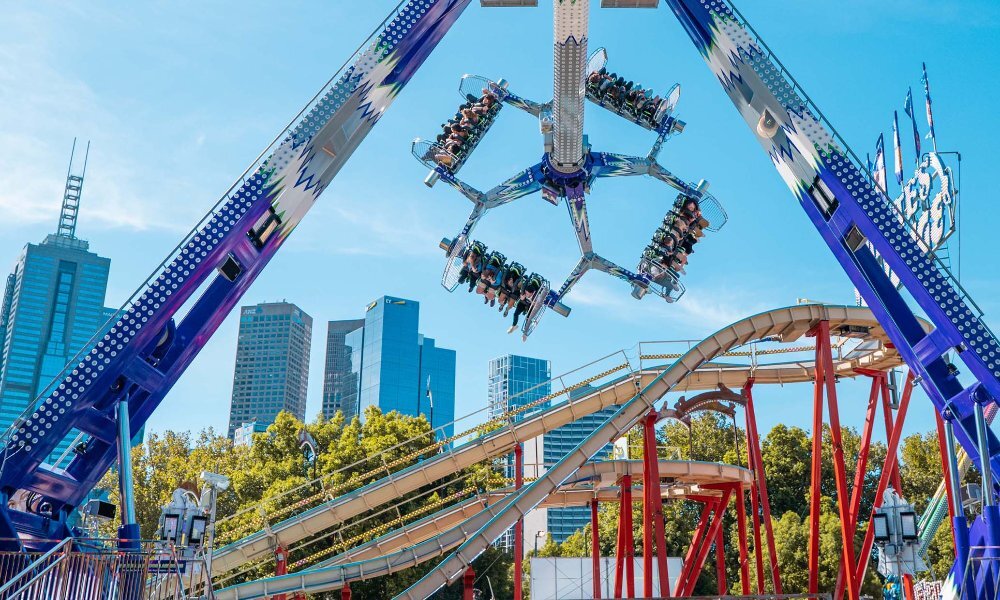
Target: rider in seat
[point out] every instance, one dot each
(489, 282)
(472, 264)
(529, 290)
(510, 287)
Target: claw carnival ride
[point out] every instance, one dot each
(110, 390)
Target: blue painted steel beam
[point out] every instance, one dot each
(143, 354)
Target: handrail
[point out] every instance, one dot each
(64, 544)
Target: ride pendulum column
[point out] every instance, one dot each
(570, 22)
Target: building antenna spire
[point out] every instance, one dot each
(71, 196)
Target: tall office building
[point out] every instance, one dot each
(53, 305)
(272, 364)
(339, 382)
(548, 449)
(515, 381)
(384, 361)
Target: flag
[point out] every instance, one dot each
(896, 150)
(930, 115)
(879, 174)
(908, 108)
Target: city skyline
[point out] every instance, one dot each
(374, 234)
(383, 360)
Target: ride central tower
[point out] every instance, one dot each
(569, 48)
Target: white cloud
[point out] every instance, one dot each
(697, 310)
(41, 108)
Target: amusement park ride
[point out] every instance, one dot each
(110, 390)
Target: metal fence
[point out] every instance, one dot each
(75, 569)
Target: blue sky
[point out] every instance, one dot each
(178, 97)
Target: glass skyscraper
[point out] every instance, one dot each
(53, 304)
(272, 364)
(340, 383)
(515, 381)
(384, 361)
(563, 522)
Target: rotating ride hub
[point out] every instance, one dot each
(663, 261)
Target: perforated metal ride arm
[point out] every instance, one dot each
(849, 211)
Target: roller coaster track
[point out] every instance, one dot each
(634, 395)
(443, 531)
(873, 355)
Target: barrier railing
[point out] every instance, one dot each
(96, 568)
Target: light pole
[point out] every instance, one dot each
(307, 443)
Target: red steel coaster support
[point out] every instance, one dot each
(816, 474)
(519, 526)
(345, 592)
(720, 563)
(696, 538)
(888, 469)
(280, 566)
(760, 479)
(686, 587)
(624, 563)
(887, 417)
(595, 550)
(652, 526)
(758, 545)
(741, 525)
(825, 375)
(861, 468)
(468, 584)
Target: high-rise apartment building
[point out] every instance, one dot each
(52, 306)
(516, 381)
(272, 364)
(384, 361)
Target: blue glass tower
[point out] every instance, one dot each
(53, 304)
(515, 381)
(563, 522)
(384, 361)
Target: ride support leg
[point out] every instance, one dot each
(468, 584)
(890, 465)
(595, 550)
(629, 541)
(741, 524)
(720, 563)
(345, 592)
(519, 526)
(761, 476)
(654, 512)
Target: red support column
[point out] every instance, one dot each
(629, 538)
(595, 550)
(761, 475)
(653, 531)
(713, 531)
(943, 450)
(839, 468)
(887, 416)
(519, 526)
(720, 563)
(280, 566)
(816, 472)
(468, 584)
(345, 592)
(758, 545)
(697, 538)
(891, 465)
(741, 524)
(620, 541)
(861, 468)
